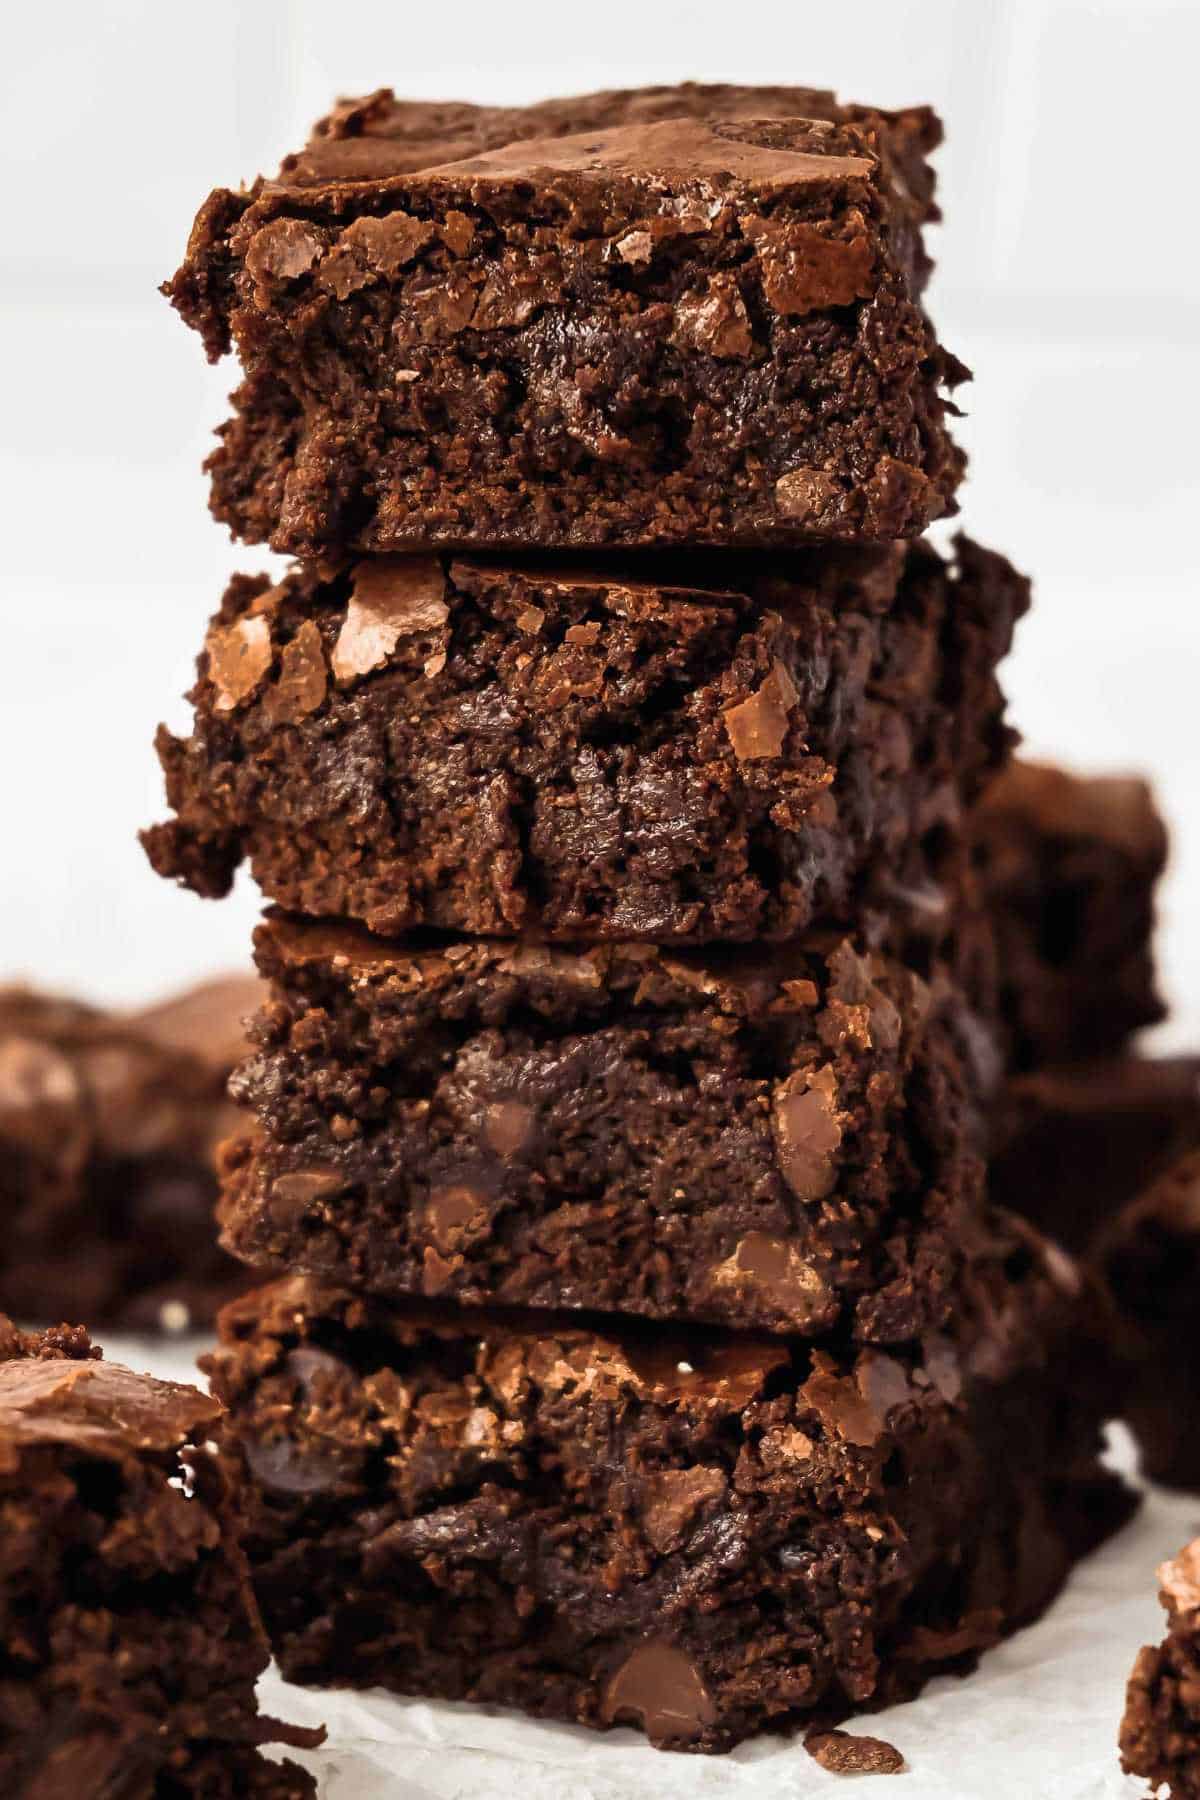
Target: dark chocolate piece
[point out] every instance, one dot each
(132, 1641)
(108, 1128)
(783, 1140)
(701, 1534)
(593, 754)
(686, 317)
(1069, 865)
(1160, 1732)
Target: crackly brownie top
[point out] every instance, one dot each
(98, 1408)
(378, 136)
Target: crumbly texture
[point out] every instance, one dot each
(782, 1140)
(702, 1534)
(1160, 1732)
(108, 1128)
(131, 1637)
(1069, 866)
(628, 323)
(1149, 1260)
(492, 748)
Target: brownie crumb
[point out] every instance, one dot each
(844, 1753)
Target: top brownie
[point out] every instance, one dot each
(680, 315)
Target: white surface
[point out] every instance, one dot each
(1037, 1721)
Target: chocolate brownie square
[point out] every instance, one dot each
(1160, 1732)
(786, 1141)
(131, 1637)
(108, 1128)
(672, 753)
(701, 1533)
(1069, 865)
(629, 320)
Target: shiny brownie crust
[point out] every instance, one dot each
(695, 320)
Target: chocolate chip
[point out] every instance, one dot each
(758, 726)
(804, 269)
(664, 1689)
(239, 655)
(302, 681)
(808, 1132)
(282, 250)
(393, 597)
(672, 1499)
(805, 493)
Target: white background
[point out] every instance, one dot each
(1067, 278)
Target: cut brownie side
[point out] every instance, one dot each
(1160, 1733)
(108, 1128)
(702, 1534)
(131, 1639)
(490, 748)
(696, 329)
(1069, 864)
(782, 1141)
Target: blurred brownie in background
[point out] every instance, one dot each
(108, 1124)
(132, 1641)
(1068, 866)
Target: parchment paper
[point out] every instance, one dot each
(1037, 1719)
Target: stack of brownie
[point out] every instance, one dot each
(646, 1349)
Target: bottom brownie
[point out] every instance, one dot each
(129, 1638)
(703, 1533)
(1160, 1733)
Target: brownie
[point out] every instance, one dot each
(784, 1140)
(1160, 1732)
(108, 1125)
(1148, 1257)
(492, 748)
(706, 1534)
(1106, 1157)
(691, 317)
(1073, 1145)
(132, 1640)
(1069, 865)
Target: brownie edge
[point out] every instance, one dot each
(701, 1533)
(132, 1640)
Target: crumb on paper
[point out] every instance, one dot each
(842, 1753)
